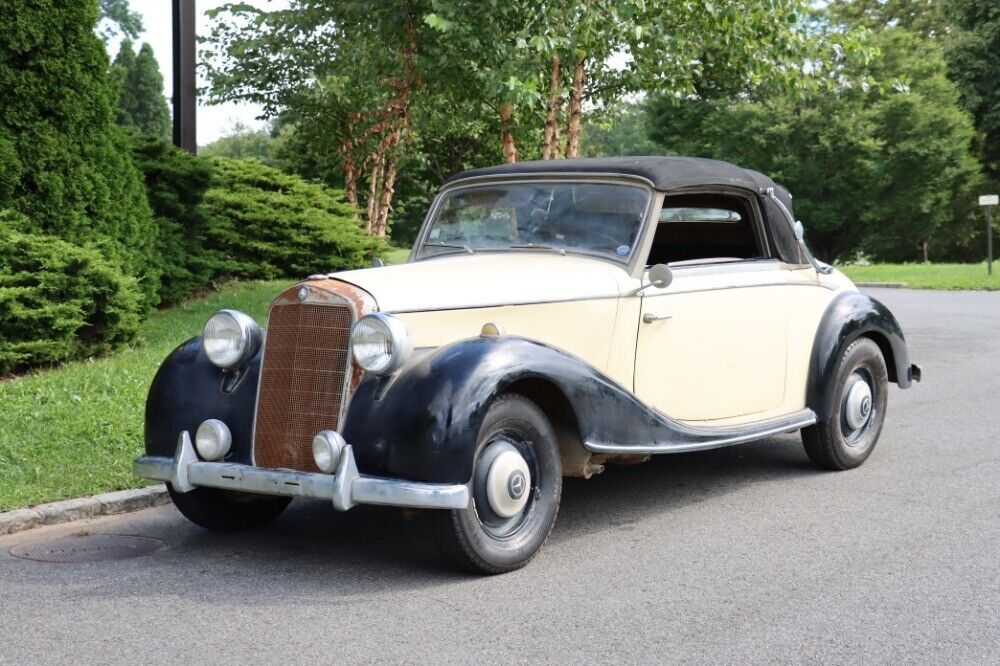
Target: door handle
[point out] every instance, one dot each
(650, 318)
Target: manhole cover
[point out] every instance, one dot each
(88, 548)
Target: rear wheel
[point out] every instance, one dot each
(227, 511)
(516, 486)
(847, 438)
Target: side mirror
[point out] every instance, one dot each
(800, 231)
(377, 262)
(660, 276)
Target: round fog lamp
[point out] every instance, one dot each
(213, 440)
(328, 446)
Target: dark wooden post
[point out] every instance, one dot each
(185, 86)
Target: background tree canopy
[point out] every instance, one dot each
(882, 169)
(437, 86)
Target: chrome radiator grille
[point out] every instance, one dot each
(302, 382)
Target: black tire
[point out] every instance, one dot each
(477, 539)
(834, 443)
(227, 511)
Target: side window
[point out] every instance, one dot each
(706, 228)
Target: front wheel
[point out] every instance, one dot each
(847, 438)
(516, 486)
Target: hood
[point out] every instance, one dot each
(485, 280)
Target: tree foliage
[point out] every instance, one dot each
(371, 82)
(141, 103)
(871, 168)
(118, 18)
(66, 167)
(974, 63)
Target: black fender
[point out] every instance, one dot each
(188, 388)
(423, 423)
(848, 317)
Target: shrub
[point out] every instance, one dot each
(63, 161)
(176, 182)
(262, 223)
(58, 301)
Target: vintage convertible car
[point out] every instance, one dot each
(553, 317)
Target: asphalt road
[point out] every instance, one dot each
(736, 555)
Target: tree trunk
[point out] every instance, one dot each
(923, 248)
(350, 174)
(575, 111)
(551, 137)
(506, 138)
(381, 225)
(373, 195)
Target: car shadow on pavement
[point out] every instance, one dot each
(389, 548)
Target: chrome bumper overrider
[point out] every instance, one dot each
(345, 488)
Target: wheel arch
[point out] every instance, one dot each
(884, 346)
(560, 412)
(849, 316)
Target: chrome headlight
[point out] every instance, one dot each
(230, 338)
(381, 343)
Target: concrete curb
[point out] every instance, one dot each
(106, 504)
(882, 285)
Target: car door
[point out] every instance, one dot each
(712, 345)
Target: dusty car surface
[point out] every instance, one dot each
(553, 317)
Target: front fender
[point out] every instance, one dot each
(423, 423)
(848, 317)
(188, 389)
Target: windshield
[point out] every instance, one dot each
(590, 218)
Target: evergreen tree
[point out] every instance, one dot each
(121, 69)
(147, 105)
(66, 167)
(141, 103)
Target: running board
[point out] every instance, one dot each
(686, 438)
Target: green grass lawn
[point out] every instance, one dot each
(928, 276)
(74, 431)
(396, 255)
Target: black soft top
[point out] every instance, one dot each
(666, 174)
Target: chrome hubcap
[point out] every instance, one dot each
(507, 483)
(857, 408)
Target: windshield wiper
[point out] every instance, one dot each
(452, 245)
(538, 246)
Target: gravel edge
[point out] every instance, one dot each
(105, 504)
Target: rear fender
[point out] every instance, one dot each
(850, 316)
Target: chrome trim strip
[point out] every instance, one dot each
(777, 283)
(345, 488)
(715, 438)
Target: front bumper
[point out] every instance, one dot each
(345, 488)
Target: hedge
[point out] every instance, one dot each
(261, 223)
(58, 301)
